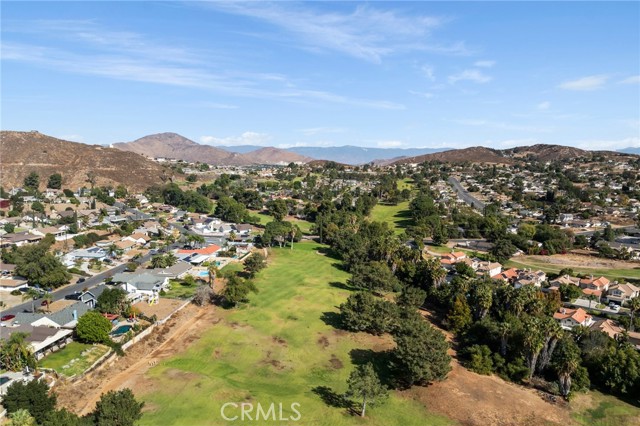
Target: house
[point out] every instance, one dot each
(53, 230)
(507, 276)
(198, 256)
(528, 277)
(244, 228)
(564, 279)
(67, 317)
(12, 283)
(570, 318)
(488, 268)
(141, 284)
(177, 271)
(125, 245)
(600, 284)
(622, 293)
(96, 253)
(19, 239)
(613, 330)
(138, 238)
(42, 339)
(448, 260)
(7, 269)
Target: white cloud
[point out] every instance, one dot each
(312, 131)
(389, 144)
(632, 142)
(631, 80)
(427, 95)
(484, 64)
(543, 106)
(246, 138)
(502, 125)
(366, 32)
(428, 72)
(591, 82)
(475, 76)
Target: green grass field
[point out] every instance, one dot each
(398, 216)
(631, 273)
(604, 410)
(69, 361)
(179, 291)
(305, 226)
(279, 348)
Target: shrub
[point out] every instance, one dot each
(480, 360)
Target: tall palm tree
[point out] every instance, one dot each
(48, 299)
(158, 261)
(634, 307)
(232, 236)
(31, 294)
(170, 259)
(591, 298)
(112, 250)
(212, 269)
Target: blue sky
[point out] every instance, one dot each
(397, 74)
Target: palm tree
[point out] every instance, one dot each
(170, 259)
(634, 307)
(112, 250)
(48, 299)
(31, 294)
(158, 261)
(232, 236)
(591, 298)
(16, 353)
(212, 269)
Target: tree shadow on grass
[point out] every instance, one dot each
(381, 362)
(342, 286)
(334, 399)
(405, 217)
(329, 252)
(332, 319)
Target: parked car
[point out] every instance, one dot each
(81, 279)
(73, 296)
(615, 307)
(7, 318)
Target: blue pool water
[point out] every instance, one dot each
(203, 274)
(120, 330)
(4, 380)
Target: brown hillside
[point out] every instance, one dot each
(24, 152)
(172, 145)
(476, 154)
(271, 155)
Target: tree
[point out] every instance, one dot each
(254, 264)
(55, 181)
(566, 361)
(66, 418)
(502, 250)
(112, 301)
(359, 311)
(37, 265)
(48, 299)
(93, 328)
(32, 396)
(15, 353)
(212, 270)
(158, 261)
(459, 317)
(481, 297)
(364, 383)
(170, 259)
(117, 408)
(411, 297)
(237, 290)
(9, 228)
(373, 276)
(278, 209)
(634, 308)
(21, 417)
(31, 294)
(421, 352)
(203, 295)
(32, 181)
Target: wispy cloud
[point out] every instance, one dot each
(312, 131)
(631, 80)
(543, 106)
(366, 32)
(428, 72)
(92, 50)
(484, 64)
(246, 138)
(591, 82)
(390, 144)
(472, 75)
(502, 125)
(426, 95)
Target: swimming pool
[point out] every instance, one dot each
(203, 273)
(4, 380)
(121, 330)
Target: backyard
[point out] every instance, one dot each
(280, 348)
(74, 358)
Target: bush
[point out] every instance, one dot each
(93, 328)
(516, 370)
(16, 293)
(480, 359)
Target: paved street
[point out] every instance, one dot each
(465, 196)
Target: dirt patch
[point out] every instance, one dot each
(476, 400)
(130, 371)
(574, 260)
(324, 342)
(335, 363)
(279, 340)
(161, 310)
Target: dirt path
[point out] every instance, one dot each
(164, 342)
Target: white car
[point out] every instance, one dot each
(614, 307)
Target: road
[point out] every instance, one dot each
(465, 196)
(94, 281)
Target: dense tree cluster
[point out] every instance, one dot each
(35, 263)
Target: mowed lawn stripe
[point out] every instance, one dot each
(270, 351)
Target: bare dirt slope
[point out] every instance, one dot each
(129, 371)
